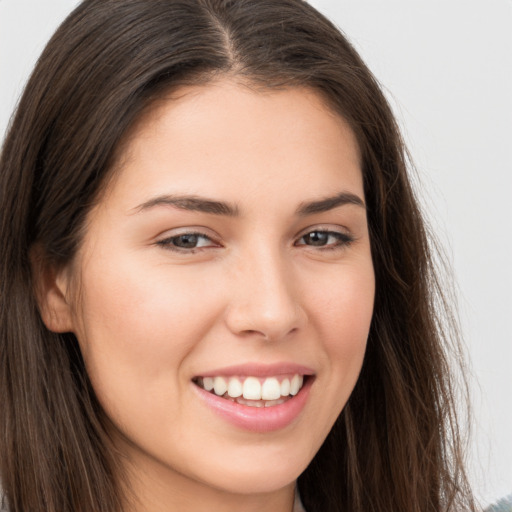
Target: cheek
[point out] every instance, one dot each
(343, 307)
(343, 314)
(137, 327)
(348, 345)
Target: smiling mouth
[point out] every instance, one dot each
(253, 391)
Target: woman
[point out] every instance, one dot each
(216, 283)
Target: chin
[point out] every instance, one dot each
(259, 474)
(258, 480)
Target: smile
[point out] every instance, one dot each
(253, 391)
(255, 397)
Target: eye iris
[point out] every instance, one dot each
(186, 241)
(317, 238)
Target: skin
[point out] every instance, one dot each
(149, 318)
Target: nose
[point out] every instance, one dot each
(265, 299)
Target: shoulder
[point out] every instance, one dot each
(297, 506)
(503, 505)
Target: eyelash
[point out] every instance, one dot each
(169, 243)
(342, 240)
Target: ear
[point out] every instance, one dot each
(51, 288)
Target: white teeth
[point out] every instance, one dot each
(295, 385)
(219, 386)
(270, 403)
(235, 388)
(285, 387)
(252, 389)
(208, 383)
(251, 403)
(271, 389)
(268, 390)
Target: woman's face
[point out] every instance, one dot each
(231, 250)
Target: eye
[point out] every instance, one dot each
(187, 242)
(325, 239)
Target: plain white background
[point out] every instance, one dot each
(446, 67)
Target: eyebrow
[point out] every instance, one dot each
(329, 203)
(191, 203)
(205, 205)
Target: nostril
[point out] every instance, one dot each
(253, 322)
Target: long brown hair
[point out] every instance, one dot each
(395, 446)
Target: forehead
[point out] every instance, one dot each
(226, 137)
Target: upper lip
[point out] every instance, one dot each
(259, 370)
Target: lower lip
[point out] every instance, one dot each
(258, 419)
